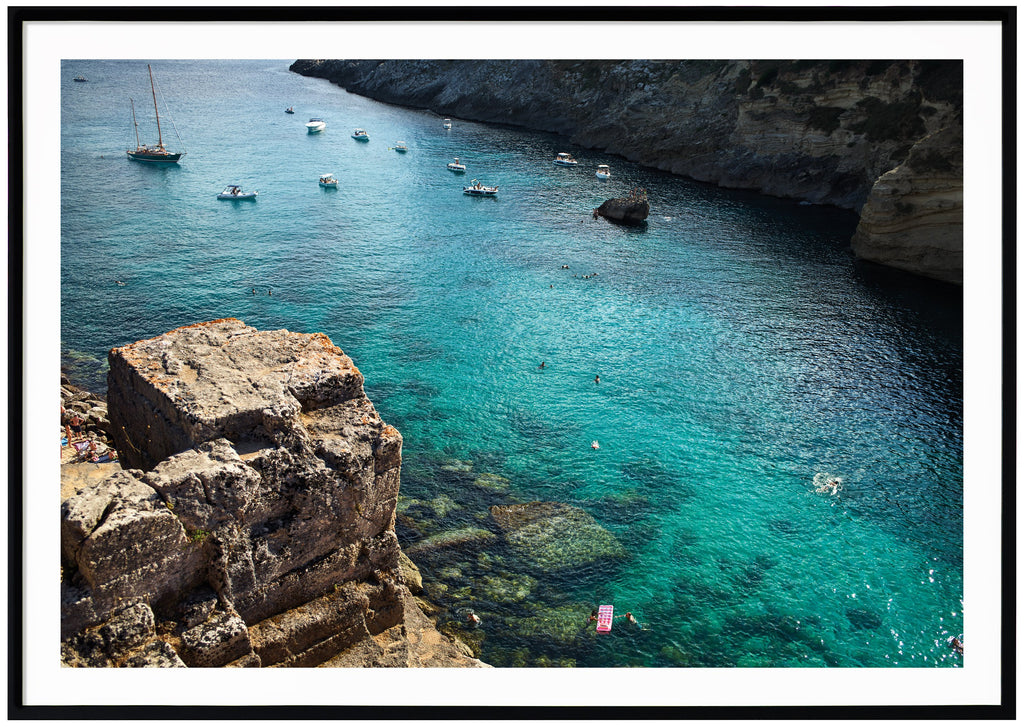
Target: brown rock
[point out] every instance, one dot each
(263, 513)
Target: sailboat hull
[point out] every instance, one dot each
(156, 157)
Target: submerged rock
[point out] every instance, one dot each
(493, 482)
(469, 537)
(553, 536)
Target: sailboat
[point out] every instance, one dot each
(143, 152)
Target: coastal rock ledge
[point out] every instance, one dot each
(253, 524)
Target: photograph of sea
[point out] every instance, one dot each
(629, 365)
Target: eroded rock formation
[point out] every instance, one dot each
(632, 210)
(914, 217)
(254, 522)
(820, 131)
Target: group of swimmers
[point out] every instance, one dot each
(630, 619)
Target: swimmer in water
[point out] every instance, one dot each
(541, 365)
(473, 619)
(595, 445)
(830, 486)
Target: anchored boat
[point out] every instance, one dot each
(457, 167)
(565, 160)
(315, 125)
(143, 152)
(360, 135)
(603, 172)
(479, 190)
(234, 191)
(328, 180)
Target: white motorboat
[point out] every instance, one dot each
(479, 190)
(315, 125)
(447, 123)
(603, 172)
(360, 135)
(234, 191)
(457, 167)
(565, 160)
(328, 180)
(401, 147)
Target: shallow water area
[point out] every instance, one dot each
(744, 358)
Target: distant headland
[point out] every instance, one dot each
(882, 138)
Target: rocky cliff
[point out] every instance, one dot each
(253, 524)
(821, 131)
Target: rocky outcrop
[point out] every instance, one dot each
(632, 210)
(914, 217)
(820, 131)
(90, 408)
(254, 522)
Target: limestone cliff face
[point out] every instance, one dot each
(914, 218)
(254, 522)
(822, 131)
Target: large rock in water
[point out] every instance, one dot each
(632, 210)
(255, 516)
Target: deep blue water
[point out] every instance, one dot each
(741, 353)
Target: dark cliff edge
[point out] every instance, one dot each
(882, 138)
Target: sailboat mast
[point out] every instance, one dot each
(136, 124)
(159, 134)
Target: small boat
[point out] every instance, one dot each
(478, 190)
(565, 160)
(328, 180)
(603, 172)
(315, 125)
(457, 166)
(360, 135)
(80, 79)
(145, 153)
(234, 191)
(290, 110)
(447, 123)
(401, 147)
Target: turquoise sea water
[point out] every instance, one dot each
(741, 353)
